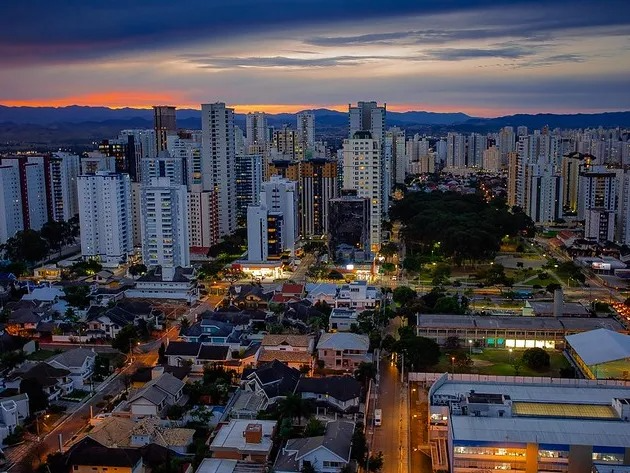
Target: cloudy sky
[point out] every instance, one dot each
(482, 57)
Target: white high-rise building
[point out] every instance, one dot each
(164, 165)
(280, 195)
(597, 188)
(11, 216)
(249, 178)
(189, 151)
(218, 162)
(506, 142)
(476, 145)
(306, 131)
(63, 172)
(369, 116)
(272, 224)
(455, 151)
(362, 171)
(32, 171)
(105, 217)
(257, 131)
(545, 199)
(165, 239)
(396, 162)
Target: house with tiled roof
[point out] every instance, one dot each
(56, 382)
(249, 296)
(325, 453)
(88, 456)
(124, 432)
(296, 351)
(343, 351)
(157, 395)
(339, 393)
(273, 380)
(79, 362)
(196, 354)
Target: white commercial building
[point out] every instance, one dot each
(105, 217)
(492, 159)
(218, 162)
(545, 194)
(363, 172)
(164, 165)
(165, 239)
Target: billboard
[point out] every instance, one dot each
(600, 266)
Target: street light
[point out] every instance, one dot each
(470, 347)
(510, 355)
(453, 364)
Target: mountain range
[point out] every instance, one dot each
(80, 125)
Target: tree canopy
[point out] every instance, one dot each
(466, 226)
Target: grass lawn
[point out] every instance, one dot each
(41, 355)
(540, 282)
(498, 361)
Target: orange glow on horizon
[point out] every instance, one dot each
(145, 100)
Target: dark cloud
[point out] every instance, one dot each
(283, 61)
(44, 31)
(455, 54)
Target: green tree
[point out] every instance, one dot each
(441, 274)
(359, 444)
(26, 245)
(536, 358)
(308, 468)
(388, 250)
(286, 428)
(418, 352)
(403, 295)
(101, 367)
(137, 269)
(126, 339)
(161, 353)
(551, 287)
(452, 343)
(365, 372)
(375, 462)
(37, 398)
(294, 407)
(77, 296)
(314, 428)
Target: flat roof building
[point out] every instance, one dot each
(507, 331)
(601, 353)
(559, 425)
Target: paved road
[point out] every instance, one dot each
(299, 275)
(72, 426)
(391, 437)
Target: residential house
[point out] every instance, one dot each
(244, 440)
(79, 362)
(358, 295)
(222, 465)
(48, 272)
(211, 331)
(146, 374)
(322, 292)
(123, 432)
(289, 292)
(273, 380)
(89, 456)
(197, 355)
(25, 317)
(56, 382)
(50, 295)
(339, 393)
(342, 320)
(249, 296)
(110, 322)
(157, 395)
(343, 351)
(327, 453)
(166, 283)
(13, 411)
(296, 351)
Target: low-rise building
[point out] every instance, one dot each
(89, 456)
(166, 283)
(13, 411)
(527, 424)
(196, 354)
(358, 295)
(343, 351)
(341, 320)
(244, 440)
(79, 362)
(296, 351)
(157, 395)
(509, 332)
(339, 393)
(55, 382)
(273, 381)
(327, 453)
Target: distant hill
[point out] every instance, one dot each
(324, 117)
(538, 121)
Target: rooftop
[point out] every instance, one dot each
(74, 358)
(442, 321)
(344, 340)
(600, 346)
(231, 436)
(290, 340)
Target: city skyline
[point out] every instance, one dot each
(481, 58)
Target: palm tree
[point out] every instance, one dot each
(293, 406)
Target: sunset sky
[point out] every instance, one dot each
(481, 57)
